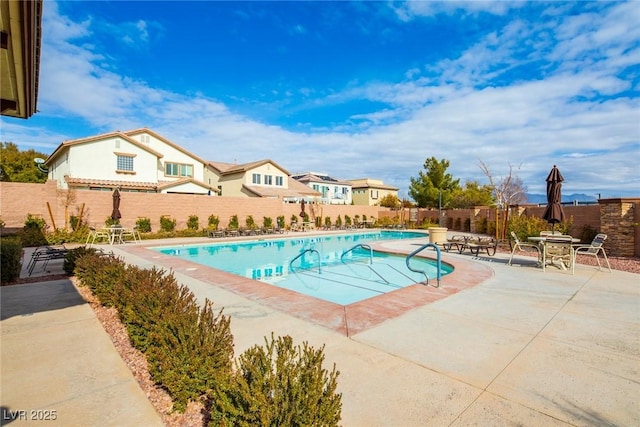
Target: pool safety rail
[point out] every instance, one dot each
(364, 246)
(304, 252)
(359, 245)
(438, 261)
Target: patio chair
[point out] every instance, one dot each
(95, 234)
(558, 251)
(522, 246)
(593, 249)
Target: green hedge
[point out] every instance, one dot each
(10, 259)
(189, 350)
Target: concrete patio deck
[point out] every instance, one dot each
(518, 346)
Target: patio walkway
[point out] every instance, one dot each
(520, 347)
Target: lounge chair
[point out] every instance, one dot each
(454, 242)
(45, 254)
(593, 249)
(522, 247)
(97, 234)
(477, 244)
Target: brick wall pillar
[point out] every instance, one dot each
(618, 220)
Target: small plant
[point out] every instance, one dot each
(279, 385)
(193, 222)
(250, 222)
(167, 223)
(233, 222)
(10, 259)
(294, 219)
(339, 222)
(108, 222)
(214, 222)
(280, 221)
(267, 222)
(144, 225)
(32, 234)
(347, 221)
(327, 222)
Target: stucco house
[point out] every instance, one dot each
(137, 160)
(369, 192)
(263, 178)
(332, 191)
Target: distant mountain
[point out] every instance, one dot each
(566, 198)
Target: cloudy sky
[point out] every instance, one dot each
(365, 89)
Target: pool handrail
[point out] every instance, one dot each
(438, 260)
(304, 252)
(359, 245)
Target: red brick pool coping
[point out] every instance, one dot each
(348, 320)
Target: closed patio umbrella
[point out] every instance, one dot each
(115, 214)
(554, 213)
(302, 208)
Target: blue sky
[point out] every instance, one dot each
(363, 89)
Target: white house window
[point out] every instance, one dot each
(124, 163)
(255, 178)
(178, 169)
(279, 181)
(374, 194)
(268, 180)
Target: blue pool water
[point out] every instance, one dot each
(322, 272)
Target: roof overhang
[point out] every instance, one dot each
(20, 42)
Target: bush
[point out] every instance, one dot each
(250, 222)
(101, 274)
(167, 223)
(32, 234)
(267, 222)
(193, 222)
(10, 259)
(339, 221)
(214, 222)
(281, 385)
(73, 255)
(327, 222)
(144, 225)
(233, 222)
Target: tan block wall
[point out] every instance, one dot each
(19, 199)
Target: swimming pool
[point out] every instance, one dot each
(319, 268)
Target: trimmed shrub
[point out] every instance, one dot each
(73, 255)
(280, 385)
(167, 223)
(233, 222)
(144, 225)
(193, 222)
(214, 222)
(32, 234)
(101, 274)
(10, 259)
(250, 222)
(267, 222)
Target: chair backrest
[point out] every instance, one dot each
(597, 242)
(515, 237)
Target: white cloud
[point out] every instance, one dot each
(454, 111)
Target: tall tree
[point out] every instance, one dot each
(434, 187)
(473, 194)
(18, 166)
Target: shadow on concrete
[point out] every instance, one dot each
(27, 299)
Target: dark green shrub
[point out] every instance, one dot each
(267, 222)
(327, 222)
(191, 351)
(214, 222)
(32, 234)
(280, 221)
(108, 222)
(167, 223)
(233, 222)
(339, 221)
(103, 275)
(294, 218)
(250, 222)
(73, 255)
(280, 385)
(481, 225)
(75, 222)
(193, 222)
(10, 259)
(144, 225)
(587, 234)
(347, 220)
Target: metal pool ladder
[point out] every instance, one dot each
(438, 260)
(359, 245)
(304, 252)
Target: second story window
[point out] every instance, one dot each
(256, 178)
(279, 181)
(268, 180)
(124, 163)
(178, 169)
